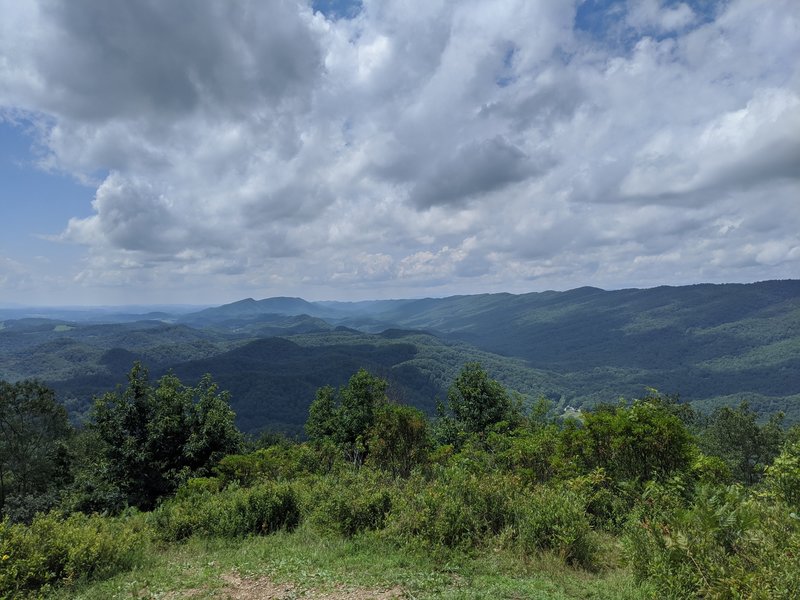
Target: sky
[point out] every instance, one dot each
(207, 151)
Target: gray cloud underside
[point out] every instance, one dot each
(419, 146)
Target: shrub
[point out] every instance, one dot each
(350, 503)
(531, 454)
(52, 550)
(727, 544)
(279, 462)
(783, 476)
(463, 510)
(641, 442)
(458, 509)
(233, 512)
(399, 439)
(608, 503)
(709, 469)
(554, 518)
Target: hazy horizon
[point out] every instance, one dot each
(189, 306)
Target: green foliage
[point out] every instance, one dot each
(399, 439)
(783, 476)
(476, 402)
(726, 544)
(152, 439)
(34, 459)
(608, 502)
(710, 469)
(93, 489)
(533, 455)
(475, 405)
(457, 509)
(52, 550)
(747, 448)
(346, 417)
(461, 510)
(554, 518)
(233, 512)
(322, 415)
(350, 502)
(358, 403)
(641, 442)
(241, 469)
(281, 462)
(534, 486)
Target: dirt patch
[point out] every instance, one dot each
(253, 588)
(263, 588)
(241, 588)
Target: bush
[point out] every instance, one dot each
(783, 477)
(727, 544)
(641, 442)
(533, 455)
(458, 509)
(233, 512)
(279, 462)
(462, 510)
(709, 469)
(350, 503)
(550, 518)
(607, 503)
(399, 440)
(53, 550)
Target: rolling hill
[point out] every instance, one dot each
(711, 344)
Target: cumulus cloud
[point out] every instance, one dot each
(756, 143)
(10, 270)
(114, 60)
(423, 147)
(475, 169)
(656, 15)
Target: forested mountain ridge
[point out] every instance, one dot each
(709, 343)
(712, 344)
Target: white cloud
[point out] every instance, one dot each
(742, 147)
(252, 148)
(655, 14)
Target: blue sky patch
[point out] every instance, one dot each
(337, 9)
(604, 20)
(33, 201)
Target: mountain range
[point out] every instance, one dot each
(710, 344)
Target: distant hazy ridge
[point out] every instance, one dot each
(709, 343)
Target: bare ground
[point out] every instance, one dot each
(237, 587)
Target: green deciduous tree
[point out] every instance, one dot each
(346, 417)
(734, 435)
(358, 403)
(475, 402)
(322, 415)
(153, 438)
(33, 448)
